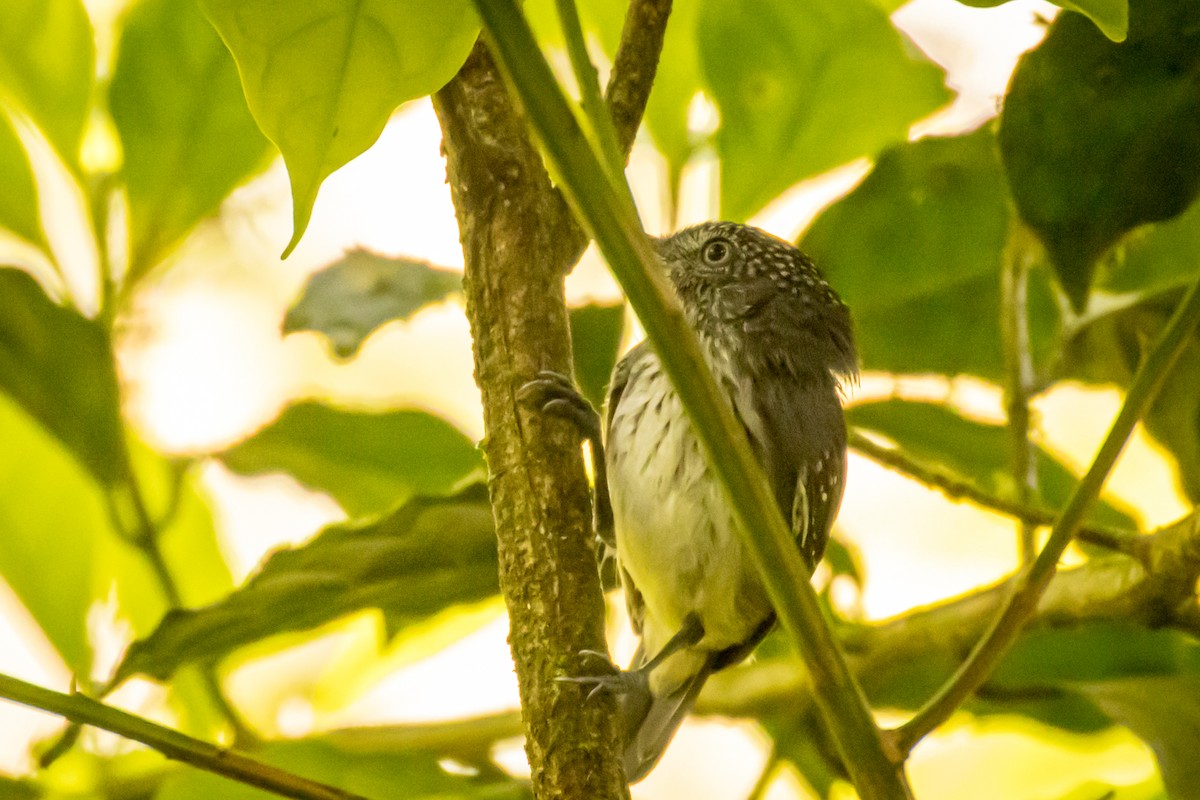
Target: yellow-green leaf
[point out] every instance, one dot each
(322, 77)
(47, 64)
(188, 137)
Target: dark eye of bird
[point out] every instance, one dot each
(717, 252)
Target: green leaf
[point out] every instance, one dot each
(423, 557)
(361, 291)
(804, 742)
(187, 134)
(1148, 681)
(1098, 138)
(323, 77)
(1154, 258)
(367, 774)
(18, 200)
(59, 366)
(1164, 712)
(1110, 16)
(916, 250)
(595, 339)
(977, 452)
(368, 462)
(803, 88)
(47, 63)
(51, 516)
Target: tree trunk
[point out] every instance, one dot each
(518, 244)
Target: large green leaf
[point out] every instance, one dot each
(803, 88)
(47, 63)
(935, 436)
(369, 462)
(18, 200)
(51, 517)
(426, 555)
(187, 134)
(1100, 137)
(1110, 16)
(368, 774)
(1148, 681)
(323, 77)
(59, 366)
(353, 296)
(916, 251)
(1164, 712)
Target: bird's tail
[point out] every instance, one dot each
(651, 720)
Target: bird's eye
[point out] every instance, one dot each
(717, 252)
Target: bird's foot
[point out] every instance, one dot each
(557, 395)
(609, 678)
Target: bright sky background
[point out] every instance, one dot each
(204, 365)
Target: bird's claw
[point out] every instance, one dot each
(617, 684)
(558, 395)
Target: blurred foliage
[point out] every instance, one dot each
(411, 563)
(349, 299)
(368, 462)
(322, 79)
(1086, 183)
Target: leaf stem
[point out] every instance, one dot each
(611, 218)
(1032, 581)
(171, 743)
(1020, 378)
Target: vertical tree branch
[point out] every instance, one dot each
(516, 254)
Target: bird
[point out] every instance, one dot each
(780, 343)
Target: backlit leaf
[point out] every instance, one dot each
(47, 63)
(18, 200)
(1099, 137)
(352, 297)
(805, 87)
(187, 134)
(426, 555)
(59, 366)
(322, 77)
(916, 250)
(367, 461)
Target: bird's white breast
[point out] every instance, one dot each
(675, 535)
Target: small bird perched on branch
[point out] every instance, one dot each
(780, 343)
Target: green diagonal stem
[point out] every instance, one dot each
(170, 743)
(609, 215)
(1032, 582)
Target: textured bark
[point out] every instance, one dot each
(517, 242)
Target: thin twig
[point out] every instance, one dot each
(634, 67)
(170, 743)
(957, 488)
(1032, 582)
